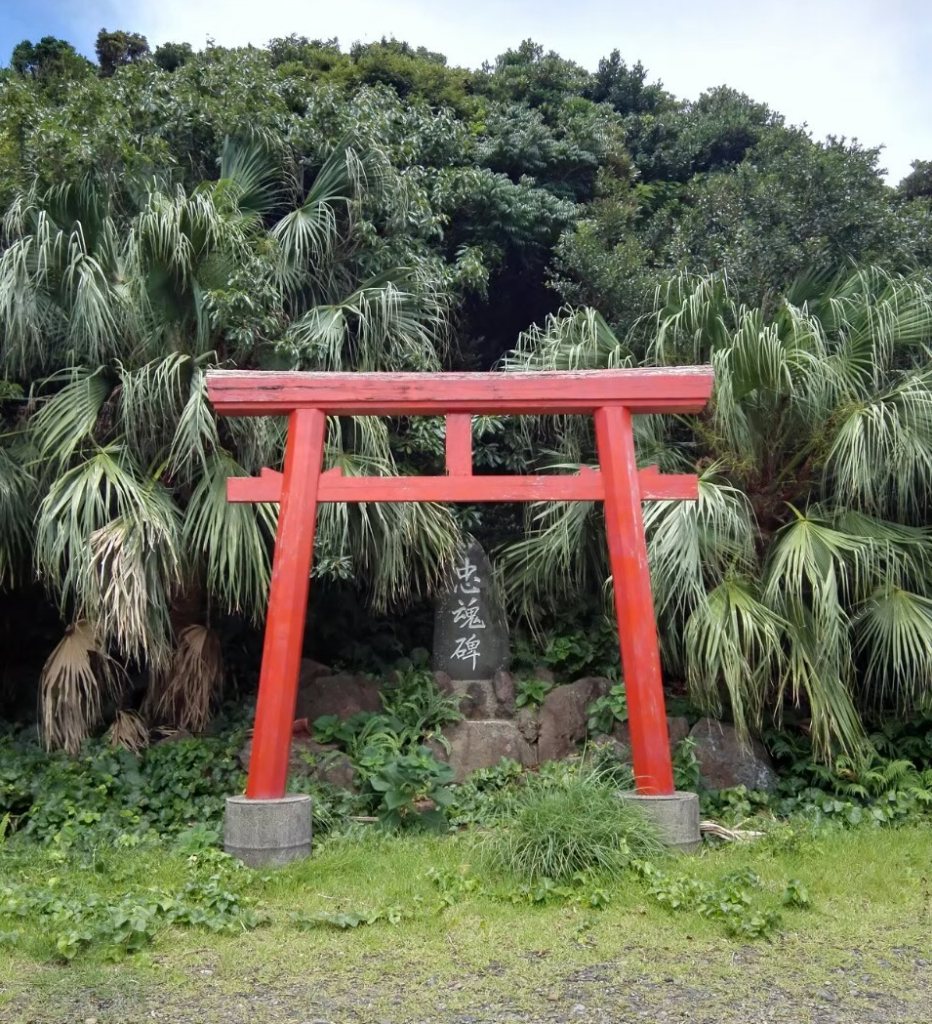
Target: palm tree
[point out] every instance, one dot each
(116, 307)
(802, 574)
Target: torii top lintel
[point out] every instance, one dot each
(678, 389)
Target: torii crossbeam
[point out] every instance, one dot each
(612, 397)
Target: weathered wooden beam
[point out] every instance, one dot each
(681, 389)
(587, 485)
(288, 593)
(459, 444)
(634, 606)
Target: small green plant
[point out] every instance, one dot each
(796, 894)
(481, 798)
(730, 901)
(455, 886)
(531, 692)
(414, 790)
(604, 713)
(106, 795)
(346, 920)
(580, 825)
(686, 765)
(413, 698)
(581, 641)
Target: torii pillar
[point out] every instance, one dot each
(268, 826)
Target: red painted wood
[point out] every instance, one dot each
(611, 395)
(459, 444)
(265, 487)
(634, 606)
(651, 390)
(585, 486)
(284, 628)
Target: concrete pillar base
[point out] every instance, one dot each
(268, 833)
(676, 815)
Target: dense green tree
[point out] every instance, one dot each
(529, 75)
(625, 88)
(50, 58)
(170, 56)
(114, 49)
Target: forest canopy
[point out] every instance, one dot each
(305, 205)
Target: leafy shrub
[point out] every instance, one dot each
(409, 781)
(605, 712)
(580, 641)
(531, 692)
(211, 895)
(887, 784)
(481, 798)
(686, 765)
(733, 900)
(412, 697)
(580, 825)
(54, 797)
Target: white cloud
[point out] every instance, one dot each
(846, 67)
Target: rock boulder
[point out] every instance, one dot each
(677, 730)
(340, 695)
(311, 670)
(476, 744)
(563, 716)
(724, 761)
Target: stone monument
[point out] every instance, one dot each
(470, 630)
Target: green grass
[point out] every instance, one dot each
(579, 826)
(861, 944)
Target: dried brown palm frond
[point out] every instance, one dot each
(128, 731)
(79, 673)
(194, 679)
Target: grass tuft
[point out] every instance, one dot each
(580, 825)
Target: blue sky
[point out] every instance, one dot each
(847, 67)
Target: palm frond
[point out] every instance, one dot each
(733, 640)
(67, 420)
(194, 681)
(75, 679)
(881, 455)
(107, 539)
(817, 669)
(128, 731)
(893, 633)
(393, 550)
(693, 547)
(250, 175)
(569, 340)
(894, 554)
(152, 397)
(232, 541)
(397, 320)
(561, 556)
(309, 235)
(196, 434)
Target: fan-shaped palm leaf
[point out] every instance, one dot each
(232, 541)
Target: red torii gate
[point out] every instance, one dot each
(610, 396)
